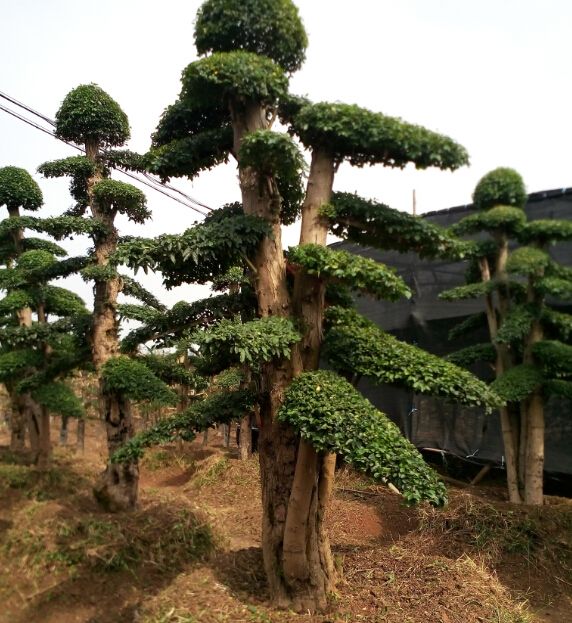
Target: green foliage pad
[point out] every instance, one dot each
(334, 417)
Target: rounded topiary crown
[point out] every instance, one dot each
(502, 186)
(269, 27)
(89, 114)
(18, 189)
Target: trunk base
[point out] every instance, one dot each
(117, 488)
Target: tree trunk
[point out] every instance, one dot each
(44, 440)
(64, 431)
(34, 421)
(17, 424)
(523, 444)
(226, 435)
(278, 443)
(245, 445)
(509, 433)
(117, 488)
(535, 451)
(534, 472)
(80, 435)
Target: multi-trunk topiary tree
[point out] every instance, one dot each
(43, 325)
(227, 106)
(91, 118)
(529, 362)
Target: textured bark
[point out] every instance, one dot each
(534, 471)
(245, 445)
(535, 451)
(44, 440)
(309, 290)
(117, 487)
(293, 507)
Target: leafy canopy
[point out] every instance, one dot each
(518, 383)
(238, 75)
(114, 196)
(134, 380)
(201, 252)
(334, 417)
(364, 137)
(89, 114)
(222, 407)
(377, 225)
(502, 186)
(271, 28)
(359, 273)
(79, 168)
(506, 219)
(354, 345)
(544, 231)
(19, 190)
(254, 342)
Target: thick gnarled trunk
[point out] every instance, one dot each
(117, 488)
(278, 444)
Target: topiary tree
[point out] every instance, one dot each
(514, 286)
(228, 102)
(90, 117)
(43, 325)
(18, 191)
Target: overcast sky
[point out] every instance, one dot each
(492, 74)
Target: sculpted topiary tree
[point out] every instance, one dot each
(91, 118)
(42, 324)
(18, 191)
(228, 103)
(514, 284)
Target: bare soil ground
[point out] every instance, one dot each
(191, 552)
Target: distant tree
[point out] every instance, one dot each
(42, 325)
(90, 117)
(17, 191)
(228, 103)
(515, 285)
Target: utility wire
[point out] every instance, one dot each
(149, 180)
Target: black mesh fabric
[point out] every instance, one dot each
(425, 320)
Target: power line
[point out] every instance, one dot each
(13, 100)
(150, 181)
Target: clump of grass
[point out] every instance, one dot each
(541, 534)
(59, 480)
(14, 476)
(210, 471)
(157, 537)
(163, 458)
(489, 530)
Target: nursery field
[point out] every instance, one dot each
(191, 551)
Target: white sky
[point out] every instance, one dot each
(492, 74)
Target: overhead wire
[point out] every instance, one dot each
(149, 181)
